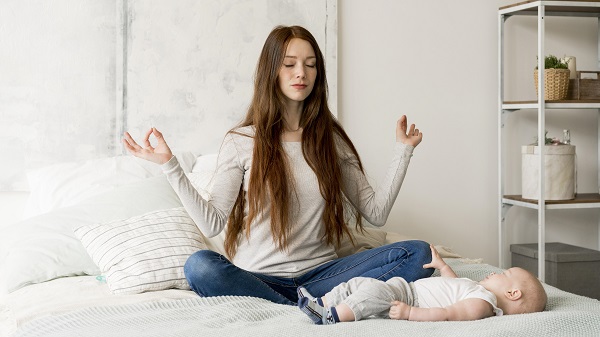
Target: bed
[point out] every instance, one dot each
(60, 275)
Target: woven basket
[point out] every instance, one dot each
(556, 83)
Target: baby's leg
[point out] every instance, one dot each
(339, 293)
(373, 297)
(323, 310)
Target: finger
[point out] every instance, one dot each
(402, 123)
(131, 142)
(416, 132)
(147, 138)
(158, 135)
(427, 266)
(411, 132)
(129, 148)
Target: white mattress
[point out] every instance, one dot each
(82, 306)
(65, 294)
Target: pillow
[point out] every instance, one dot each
(205, 163)
(68, 184)
(202, 182)
(44, 247)
(143, 253)
(371, 238)
(202, 174)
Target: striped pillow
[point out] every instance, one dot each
(143, 253)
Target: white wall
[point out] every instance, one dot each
(57, 84)
(76, 74)
(191, 63)
(437, 63)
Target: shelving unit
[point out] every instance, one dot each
(540, 9)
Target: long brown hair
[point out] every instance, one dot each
(270, 173)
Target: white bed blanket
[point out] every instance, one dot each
(566, 315)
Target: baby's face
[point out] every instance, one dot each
(507, 280)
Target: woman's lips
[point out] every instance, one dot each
(299, 86)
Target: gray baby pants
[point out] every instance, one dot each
(371, 297)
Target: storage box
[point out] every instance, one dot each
(570, 268)
(584, 88)
(559, 172)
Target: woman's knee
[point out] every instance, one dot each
(199, 267)
(414, 248)
(421, 251)
(421, 254)
(417, 253)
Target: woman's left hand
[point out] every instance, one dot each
(412, 137)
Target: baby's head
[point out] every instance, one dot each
(517, 290)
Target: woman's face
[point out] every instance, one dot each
(298, 72)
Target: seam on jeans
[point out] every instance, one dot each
(271, 289)
(394, 268)
(221, 257)
(362, 261)
(279, 284)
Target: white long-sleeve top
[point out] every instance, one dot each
(306, 250)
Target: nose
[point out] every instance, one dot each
(300, 73)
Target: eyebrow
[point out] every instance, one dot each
(295, 57)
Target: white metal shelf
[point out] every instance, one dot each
(540, 9)
(512, 106)
(553, 8)
(582, 201)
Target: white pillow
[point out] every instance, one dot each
(371, 238)
(202, 174)
(143, 253)
(44, 247)
(68, 184)
(205, 163)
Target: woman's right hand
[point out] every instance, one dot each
(409, 137)
(159, 154)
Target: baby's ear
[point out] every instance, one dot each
(513, 294)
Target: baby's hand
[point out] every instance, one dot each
(399, 310)
(438, 263)
(436, 260)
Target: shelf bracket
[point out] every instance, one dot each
(505, 113)
(505, 209)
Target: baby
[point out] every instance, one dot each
(445, 298)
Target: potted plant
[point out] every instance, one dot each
(556, 78)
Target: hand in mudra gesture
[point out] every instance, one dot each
(412, 137)
(159, 154)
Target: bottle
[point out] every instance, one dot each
(566, 137)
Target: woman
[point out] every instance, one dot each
(284, 178)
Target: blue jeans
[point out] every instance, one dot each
(211, 274)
